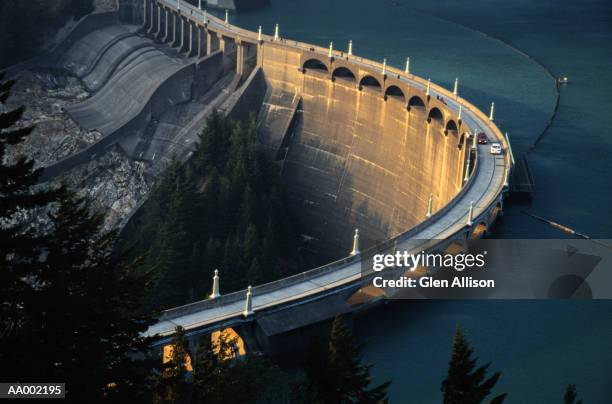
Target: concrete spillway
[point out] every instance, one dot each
(135, 82)
(126, 96)
(85, 54)
(138, 68)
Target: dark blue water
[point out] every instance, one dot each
(538, 346)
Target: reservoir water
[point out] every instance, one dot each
(502, 51)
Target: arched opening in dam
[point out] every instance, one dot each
(394, 92)
(315, 65)
(370, 83)
(345, 74)
(435, 116)
(451, 128)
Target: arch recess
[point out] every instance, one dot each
(416, 102)
(370, 81)
(451, 127)
(395, 92)
(315, 64)
(344, 73)
(435, 115)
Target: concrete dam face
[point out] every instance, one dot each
(358, 154)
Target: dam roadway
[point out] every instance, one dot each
(484, 189)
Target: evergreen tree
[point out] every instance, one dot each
(220, 376)
(172, 246)
(466, 384)
(211, 370)
(251, 378)
(88, 318)
(20, 247)
(226, 200)
(336, 374)
(213, 143)
(172, 387)
(571, 395)
(70, 309)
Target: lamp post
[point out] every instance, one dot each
(248, 305)
(470, 218)
(355, 250)
(215, 289)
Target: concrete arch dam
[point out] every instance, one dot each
(359, 145)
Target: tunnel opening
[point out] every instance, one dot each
(394, 92)
(435, 116)
(369, 82)
(416, 102)
(315, 65)
(344, 74)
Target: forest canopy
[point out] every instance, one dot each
(223, 209)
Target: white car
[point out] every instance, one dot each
(496, 148)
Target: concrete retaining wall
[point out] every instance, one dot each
(247, 100)
(208, 71)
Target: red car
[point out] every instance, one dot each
(482, 138)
